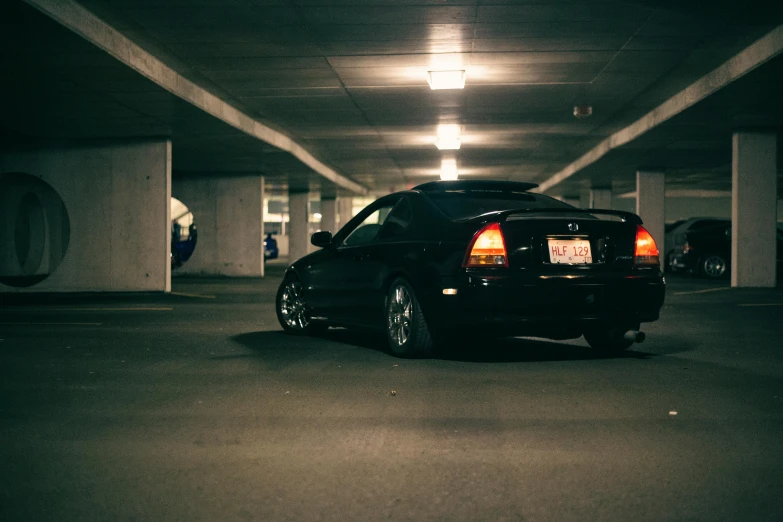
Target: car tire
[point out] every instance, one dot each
(406, 329)
(608, 338)
(713, 266)
(293, 314)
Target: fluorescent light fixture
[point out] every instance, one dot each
(449, 291)
(317, 215)
(448, 169)
(448, 137)
(446, 79)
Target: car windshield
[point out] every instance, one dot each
(461, 204)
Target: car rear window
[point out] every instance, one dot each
(461, 204)
(706, 223)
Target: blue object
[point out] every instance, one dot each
(270, 247)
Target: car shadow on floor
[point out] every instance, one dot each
(494, 350)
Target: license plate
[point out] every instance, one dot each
(570, 251)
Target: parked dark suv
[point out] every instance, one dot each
(707, 251)
(675, 234)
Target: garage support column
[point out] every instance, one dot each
(651, 204)
(329, 215)
(584, 200)
(601, 198)
(228, 212)
(101, 222)
(753, 209)
(345, 210)
(298, 226)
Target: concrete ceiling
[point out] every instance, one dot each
(346, 79)
(694, 147)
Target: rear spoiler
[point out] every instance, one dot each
(502, 215)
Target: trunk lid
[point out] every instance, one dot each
(569, 243)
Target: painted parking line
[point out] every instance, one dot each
(134, 309)
(197, 296)
(760, 304)
(50, 324)
(692, 292)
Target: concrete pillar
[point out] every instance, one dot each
(113, 221)
(228, 213)
(601, 198)
(298, 226)
(753, 209)
(345, 211)
(329, 215)
(651, 205)
(584, 200)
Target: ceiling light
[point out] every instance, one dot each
(446, 79)
(448, 137)
(583, 111)
(448, 169)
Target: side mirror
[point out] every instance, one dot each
(321, 239)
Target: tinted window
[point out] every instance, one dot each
(368, 229)
(397, 222)
(705, 223)
(713, 231)
(466, 204)
(672, 226)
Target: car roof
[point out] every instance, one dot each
(684, 224)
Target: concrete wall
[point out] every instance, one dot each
(117, 199)
(228, 212)
(282, 245)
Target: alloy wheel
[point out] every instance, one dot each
(714, 266)
(400, 313)
(293, 307)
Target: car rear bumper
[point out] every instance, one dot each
(684, 262)
(550, 302)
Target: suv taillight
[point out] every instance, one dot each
(488, 248)
(646, 252)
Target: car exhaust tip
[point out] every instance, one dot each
(635, 336)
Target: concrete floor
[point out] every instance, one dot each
(196, 407)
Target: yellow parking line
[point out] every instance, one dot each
(760, 304)
(198, 296)
(703, 291)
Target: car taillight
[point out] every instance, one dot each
(646, 252)
(488, 248)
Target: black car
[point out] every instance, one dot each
(707, 251)
(478, 257)
(675, 233)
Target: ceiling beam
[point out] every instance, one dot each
(83, 22)
(761, 51)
